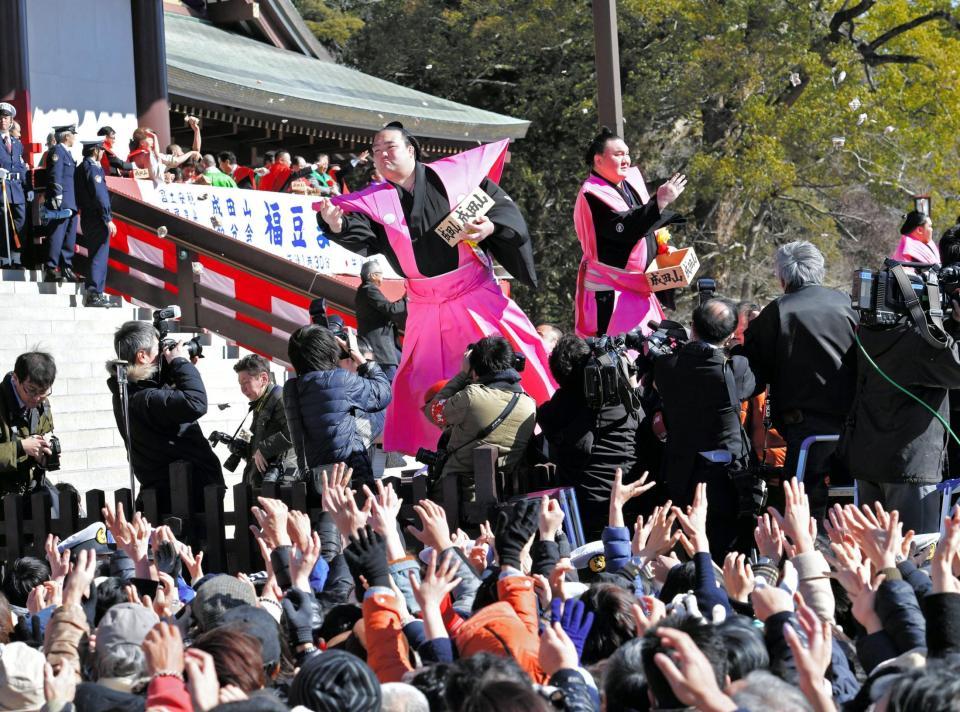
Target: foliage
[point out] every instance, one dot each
(751, 99)
(333, 23)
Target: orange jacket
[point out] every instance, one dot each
(508, 627)
(752, 413)
(388, 652)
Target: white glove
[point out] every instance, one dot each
(4, 173)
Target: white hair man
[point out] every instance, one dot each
(800, 346)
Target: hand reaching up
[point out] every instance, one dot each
(694, 520)
(621, 493)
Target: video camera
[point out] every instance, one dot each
(884, 296)
(606, 375)
(878, 297)
(237, 446)
(160, 317)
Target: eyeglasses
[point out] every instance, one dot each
(35, 392)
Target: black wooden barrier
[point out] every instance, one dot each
(26, 519)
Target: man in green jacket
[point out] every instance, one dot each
(213, 175)
(25, 421)
(270, 444)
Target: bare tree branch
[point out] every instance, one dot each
(907, 26)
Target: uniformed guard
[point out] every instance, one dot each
(61, 205)
(13, 174)
(96, 220)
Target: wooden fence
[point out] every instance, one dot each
(26, 520)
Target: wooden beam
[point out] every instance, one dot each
(229, 11)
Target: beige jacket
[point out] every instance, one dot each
(470, 407)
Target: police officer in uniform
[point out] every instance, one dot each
(96, 222)
(13, 172)
(60, 198)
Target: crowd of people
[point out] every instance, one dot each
(714, 573)
(75, 193)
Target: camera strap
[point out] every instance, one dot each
(939, 339)
(497, 422)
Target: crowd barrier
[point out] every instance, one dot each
(225, 536)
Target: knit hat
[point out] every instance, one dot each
(21, 677)
(261, 625)
(335, 681)
(912, 221)
(217, 595)
(124, 624)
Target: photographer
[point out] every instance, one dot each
(269, 445)
(485, 393)
(702, 389)
(587, 444)
(324, 402)
(893, 444)
(25, 422)
(163, 417)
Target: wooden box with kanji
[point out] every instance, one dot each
(672, 270)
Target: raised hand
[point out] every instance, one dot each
(575, 620)
(202, 682)
(557, 651)
(303, 561)
(621, 493)
(367, 555)
(272, 516)
(193, 563)
(437, 582)
(515, 533)
(163, 650)
(877, 533)
(551, 518)
(769, 538)
(671, 190)
(948, 548)
(738, 577)
(649, 611)
(435, 531)
(656, 536)
(78, 582)
(689, 672)
(60, 686)
(298, 527)
(331, 214)
(694, 520)
(340, 501)
(59, 561)
(812, 659)
(796, 522)
(384, 510)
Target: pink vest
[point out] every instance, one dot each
(459, 174)
(910, 249)
(634, 303)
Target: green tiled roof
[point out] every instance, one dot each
(205, 63)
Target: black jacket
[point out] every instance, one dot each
(378, 320)
(698, 385)
(164, 428)
(889, 437)
(269, 435)
(801, 346)
(588, 445)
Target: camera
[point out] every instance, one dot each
(160, 317)
(272, 474)
(880, 300)
(706, 289)
(237, 447)
(52, 461)
(606, 375)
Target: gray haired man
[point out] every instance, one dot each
(801, 346)
(378, 318)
